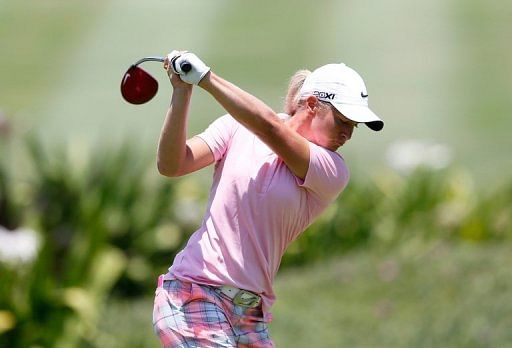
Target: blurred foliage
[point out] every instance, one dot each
(391, 209)
(9, 212)
(433, 294)
(109, 225)
(101, 223)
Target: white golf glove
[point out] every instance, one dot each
(179, 62)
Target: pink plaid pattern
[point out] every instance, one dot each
(193, 315)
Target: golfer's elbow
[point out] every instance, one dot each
(168, 169)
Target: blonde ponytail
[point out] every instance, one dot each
(292, 99)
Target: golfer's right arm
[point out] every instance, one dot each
(177, 156)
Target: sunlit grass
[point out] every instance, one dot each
(442, 76)
(441, 295)
(37, 37)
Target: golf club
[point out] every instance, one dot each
(138, 86)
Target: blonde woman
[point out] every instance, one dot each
(274, 175)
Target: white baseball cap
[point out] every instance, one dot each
(344, 88)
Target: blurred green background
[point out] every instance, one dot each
(415, 253)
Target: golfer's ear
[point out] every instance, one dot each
(312, 103)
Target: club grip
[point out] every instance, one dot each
(186, 67)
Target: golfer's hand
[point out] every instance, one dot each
(198, 69)
(176, 82)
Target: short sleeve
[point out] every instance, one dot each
(327, 174)
(218, 135)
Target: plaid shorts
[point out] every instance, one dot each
(194, 315)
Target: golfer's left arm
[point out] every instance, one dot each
(258, 117)
(251, 112)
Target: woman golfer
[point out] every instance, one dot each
(274, 174)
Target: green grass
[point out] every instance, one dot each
(37, 37)
(438, 296)
(415, 295)
(435, 70)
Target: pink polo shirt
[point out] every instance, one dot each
(256, 208)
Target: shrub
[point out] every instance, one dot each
(108, 224)
(394, 209)
(99, 229)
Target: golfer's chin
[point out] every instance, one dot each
(333, 147)
(337, 144)
(332, 144)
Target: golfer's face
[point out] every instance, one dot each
(333, 129)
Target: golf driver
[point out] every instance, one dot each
(138, 86)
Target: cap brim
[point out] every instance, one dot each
(361, 114)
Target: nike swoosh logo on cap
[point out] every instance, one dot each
(364, 95)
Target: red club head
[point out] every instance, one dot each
(137, 86)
